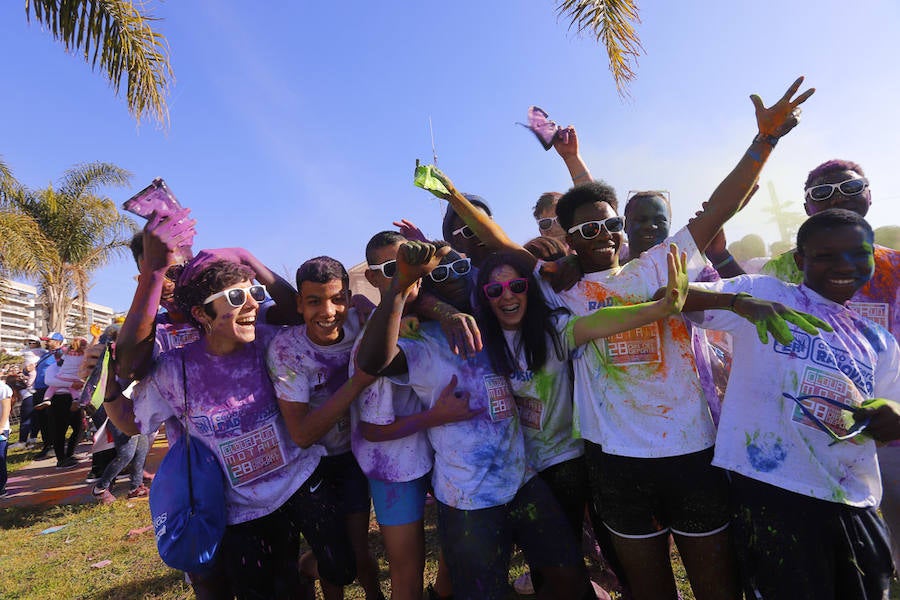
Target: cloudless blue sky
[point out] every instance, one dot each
(295, 126)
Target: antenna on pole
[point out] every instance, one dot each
(433, 150)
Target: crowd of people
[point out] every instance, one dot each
(609, 372)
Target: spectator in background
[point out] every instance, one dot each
(64, 384)
(41, 414)
(5, 408)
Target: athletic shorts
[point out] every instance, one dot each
(795, 547)
(259, 558)
(349, 483)
(398, 502)
(646, 497)
(477, 544)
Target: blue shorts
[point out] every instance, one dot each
(399, 502)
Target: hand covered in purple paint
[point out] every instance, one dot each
(409, 230)
(162, 237)
(452, 406)
(773, 317)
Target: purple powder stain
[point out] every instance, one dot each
(765, 453)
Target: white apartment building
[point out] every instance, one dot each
(22, 314)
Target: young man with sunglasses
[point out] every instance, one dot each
(843, 184)
(390, 440)
(647, 428)
(308, 365)
(804, 471)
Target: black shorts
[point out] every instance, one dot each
(646, 497)
(349, 484)
(259, 558)
(477, 544)
(795, 547)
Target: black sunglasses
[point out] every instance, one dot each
(495, 289)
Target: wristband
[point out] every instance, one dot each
(766, 139)
(718, 266)
(582, 175)
(734, 300)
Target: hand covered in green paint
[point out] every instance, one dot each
(415, 260)
(781, 117)
(884, 419)
(772, 317)
(429, 177)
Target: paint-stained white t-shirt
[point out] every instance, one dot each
(764, 434)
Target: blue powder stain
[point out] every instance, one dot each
(766, 454)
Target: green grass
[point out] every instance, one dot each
(58, 565)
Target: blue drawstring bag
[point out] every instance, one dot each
(187, 503)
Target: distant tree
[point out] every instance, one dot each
(118, 36)
(60, 235)
(611, 22)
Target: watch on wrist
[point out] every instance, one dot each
(766, 139)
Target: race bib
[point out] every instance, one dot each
(820, 382)
(531, 411)
(171, 336)
(249, 457)
(879, 312)
(635, 346)
(500, 397)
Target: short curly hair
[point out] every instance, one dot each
(586, 193)
(218, 276)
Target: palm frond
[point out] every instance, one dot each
(23, 245)
(87, 178)
(119, 36)
(611, 22)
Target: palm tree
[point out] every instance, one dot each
(118, 35)
(61, 235)
(611, 22)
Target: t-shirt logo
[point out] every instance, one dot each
(530, 411)
(500, 397)
(635, 346)
(249, 457)
(874, 311)
(819, 382)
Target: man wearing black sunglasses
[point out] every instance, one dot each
(843, 184)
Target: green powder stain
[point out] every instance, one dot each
(784, 268)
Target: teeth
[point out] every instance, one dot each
(842, 281)
(509, 309)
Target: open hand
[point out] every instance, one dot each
(781, 117)
(677, 284)
(773, 317)
(462, 334)
(410, 231)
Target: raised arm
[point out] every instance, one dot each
(486, 229)
(773, 123)
(378, 351)
(611, 320)
(136, 339)
(566, 145)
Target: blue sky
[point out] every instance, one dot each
(295, 126)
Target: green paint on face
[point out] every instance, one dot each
(784, 268)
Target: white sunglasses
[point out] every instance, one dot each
(237, 296)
